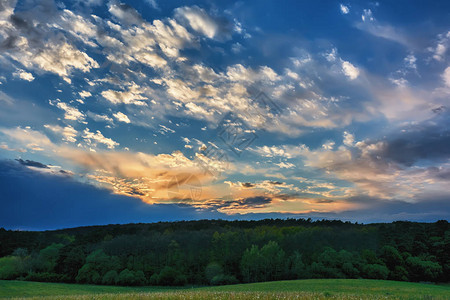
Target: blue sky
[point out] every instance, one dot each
(142, 111)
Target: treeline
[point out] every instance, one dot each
(225, 252)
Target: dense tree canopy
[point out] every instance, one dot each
(225, 252)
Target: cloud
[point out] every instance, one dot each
(125, 13)
(412, 103)
(6, 98)
(350, 70)
(153, 4)
(30, 39)
(29, 138)
(145, 176)
(396, 167)
(68, 133)
(62, 202)
(272, 151)
(85, 94)
(285, 165)
(385, 31)
(6, 147)
(424, 141)
(446, 76)
(442, 46)
(131, 96)
(92, 139)
(70, 112)
(31, 163)
(367, 15)
(344, 9)
(99, 118)
(121, 117)
(243, 204)
(199, 20)
(23, 75)
(349, 139)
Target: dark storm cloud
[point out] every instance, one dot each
(31, 163)
(429, 140)
(275, 182)
(255, 201)
(247, 203)
(247, 185)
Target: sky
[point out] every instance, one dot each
(147, 111)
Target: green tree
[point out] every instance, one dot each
(375, 271)
(252, 265)
(48, 257)
(97, 265)
(110, 278)
(297, 269)
(423, 270)
(127, 277)
(212, 270)
(10, 267)
(273, 261)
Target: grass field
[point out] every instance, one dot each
(294, 289)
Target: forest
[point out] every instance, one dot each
(217, 252)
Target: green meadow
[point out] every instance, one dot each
(292, 289)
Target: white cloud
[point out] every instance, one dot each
(29, 138)
(58, 57)
(446, 76)
(239, 73)
(285, 165)
(125, 13)
(442, 46)
(350, 70)
(344, 9)
(121, 117)
(153, 4)
(79, 26)
(272, 151)
(197, 110)
(349, 139)
(69, 133)
(131, 96)
(71, 113)
(410, 61)
(329, 145)
(92, 139)
(23, 75)
(386, 31)
(85, 94)
(199, 20)
(367, 15)
(99, 118)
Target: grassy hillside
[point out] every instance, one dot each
(294, 289)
